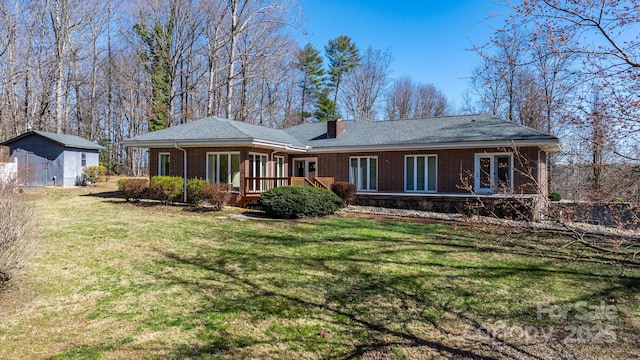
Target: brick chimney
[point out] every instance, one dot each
(335, 128)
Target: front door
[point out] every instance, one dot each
(305, 168)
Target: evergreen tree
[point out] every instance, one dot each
(343, 55)
(311, 79)
(157, 60)
(326, 109)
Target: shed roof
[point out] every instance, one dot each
(70, 141)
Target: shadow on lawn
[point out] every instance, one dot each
(351, 296)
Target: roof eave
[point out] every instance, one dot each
(550, 145)
(213, 143)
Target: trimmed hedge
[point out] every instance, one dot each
(166, 188)
(345, 190)
(294, 202)
(133, 189)
(194, 189)
(217, 195)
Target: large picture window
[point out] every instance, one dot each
(224, 168)
(420, 173)
(493, 172)
(163, 164)
(363, 173)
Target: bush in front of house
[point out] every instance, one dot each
(94, 174)
(166, 188)
(216, 195)
(345, 190)
(133, 189)
(194, 188)
(294, 202)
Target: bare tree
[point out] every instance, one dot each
(407, 100)
(364, 86)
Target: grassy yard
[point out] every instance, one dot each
(115, 280)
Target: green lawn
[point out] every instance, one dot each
(114, 280)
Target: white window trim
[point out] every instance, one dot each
(353, 181)
(415, 173)
(476, 171)
(275, 166)
(229, 153)
(306, 160)
(160, 162)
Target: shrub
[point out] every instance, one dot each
(17, 242)
(133, 189)
(345, 190)
(217, 195)
(166, 188)
(194, 187)
(94, 174)
(292, 202)
(555, 196)
(121, 183)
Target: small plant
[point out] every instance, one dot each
(94, 174)
(555, 196)
(194, 188)
(345, 190)
(294, 202)
(133, 189)
(121, 183)
(166, 188)
(216, 195)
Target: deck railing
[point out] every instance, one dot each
(257, 185)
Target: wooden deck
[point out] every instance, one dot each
(255, 186)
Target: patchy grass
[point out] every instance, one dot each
(115, 280)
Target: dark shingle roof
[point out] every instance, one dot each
(437, 130)
(70, 141)
(444, 131)
(214, 130)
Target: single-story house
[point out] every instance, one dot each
(46, 158)
(425, 161)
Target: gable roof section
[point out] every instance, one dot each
(444, 132)
(213, 131)
(69, 141)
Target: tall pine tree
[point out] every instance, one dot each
(157, 60)
(311, 78)
(343, 55)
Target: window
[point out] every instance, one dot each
(279, 170)
(257, 169)
(224, 168)
(363, 173)
(493, 172)
(163, 164)
(420, 173)
(83, 159)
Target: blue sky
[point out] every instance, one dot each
(429, 39)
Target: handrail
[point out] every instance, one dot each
(256, 185)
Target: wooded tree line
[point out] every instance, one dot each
(108, 70)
